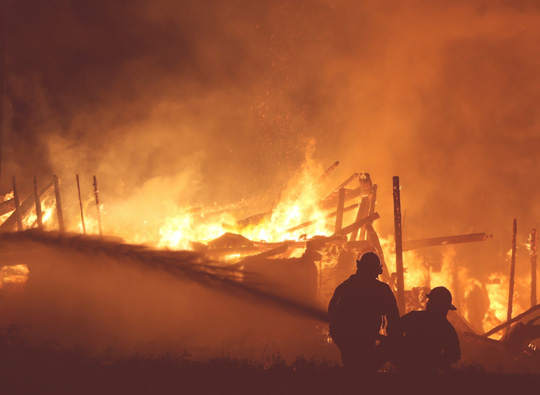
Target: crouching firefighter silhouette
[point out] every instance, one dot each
(357, 312)
(425, 341)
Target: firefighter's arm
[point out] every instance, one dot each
(334, 301)
(398, 327)
(452, 350)
(392, 312)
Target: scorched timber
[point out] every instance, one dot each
(362, 213)
(329, 171)
(27, 205)
(438, 241)
(510, 322)
(17, 213)
(346, 182)
(6, 206)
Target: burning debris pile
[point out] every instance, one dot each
(292, 255)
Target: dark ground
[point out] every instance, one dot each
(49, 369)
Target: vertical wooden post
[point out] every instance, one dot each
(534, 253)
(80, 204)
(399, 247)
(512, 274)
(373, 200)
(59, 213)
(39, 214)
(96, 193)
(18, 216)
(340, 206)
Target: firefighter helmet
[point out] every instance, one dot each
(370, 264)
(443, 296)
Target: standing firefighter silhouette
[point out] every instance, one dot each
(357, 311)
(424, 341)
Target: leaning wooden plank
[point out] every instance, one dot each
(371, 210)
(437, 241)
(10, 223)
(59, 213)
(17, 199)
(37, 199)
(6, 206)
(347, 181)
(342, 185)
(512, 275)
(508, 323)
(339, 210)
(398, 239)
(358, 224)
(329, 171)
(361, 213)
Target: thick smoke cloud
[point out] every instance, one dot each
(219, 99)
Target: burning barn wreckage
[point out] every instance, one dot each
(291, 256)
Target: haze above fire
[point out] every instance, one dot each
(204, 102)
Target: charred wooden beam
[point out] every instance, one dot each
(358, 224)
(347, 181)
(6, 206)
(17, 202)
(308, 223)
(510, 322)
(329, 171)
(373, 199)
(39, 214)
(9, 224)
(98, 209)
(339, 210)
(534, 253)
(438, 241)
(80, 203)
(59, 212)
(512, 272)
(400, 282)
